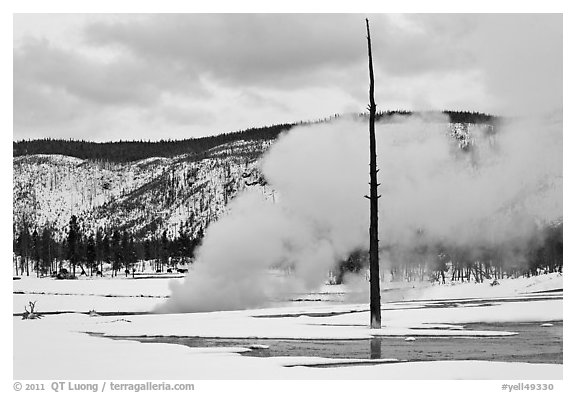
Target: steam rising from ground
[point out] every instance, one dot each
(432, 191)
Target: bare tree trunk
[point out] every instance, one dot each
(376, 348)
(375, 318)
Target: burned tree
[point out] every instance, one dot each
(375, 318)
(31, 314)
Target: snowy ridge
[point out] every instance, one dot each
(150, 195)
(146, 196)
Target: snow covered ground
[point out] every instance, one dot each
(141, 294)
(83, 352)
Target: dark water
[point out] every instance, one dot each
(532, 344)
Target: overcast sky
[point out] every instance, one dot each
(160, 76)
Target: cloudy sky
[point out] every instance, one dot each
(160, 76)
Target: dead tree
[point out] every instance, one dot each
(30, 314)
(375, 318)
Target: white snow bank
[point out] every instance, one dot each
(118, 286)
(79, 356)
(506, 287)
(296, 361)
(84, 303)
(400, 322)
(87, 357)
(439, 370)
(121, 286)
(518, 311)
(240, 324)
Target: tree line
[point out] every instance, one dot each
(126, 151)
(452, 116)
(443, 263)
(39, 252)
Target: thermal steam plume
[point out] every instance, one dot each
(498, 189)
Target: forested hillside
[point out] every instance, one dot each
(126, 151)
(121, 202)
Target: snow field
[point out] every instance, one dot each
(88, 356)
(81, 356)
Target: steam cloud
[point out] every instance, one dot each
(503, 187)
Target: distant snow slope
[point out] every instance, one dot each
(146, 196)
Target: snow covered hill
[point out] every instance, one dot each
(146, 196)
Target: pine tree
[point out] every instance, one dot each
(47, 249)
(132, 257)
(99, 248)
(164, 249)
(36, 251)
(105, 251)
(116, 251)
(91, 253)
(23, 247)
(73, 243)
(184, 244)
(125, 247)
